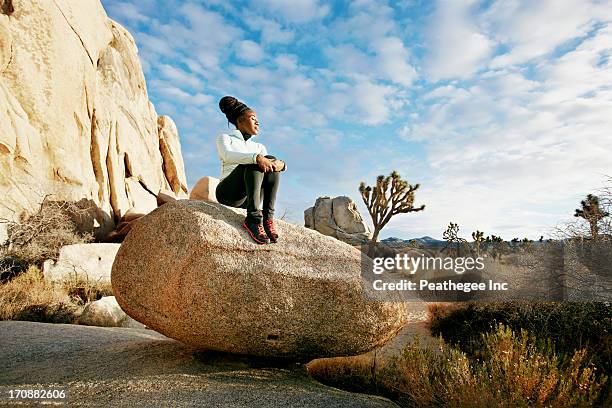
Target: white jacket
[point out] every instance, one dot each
(233, 150)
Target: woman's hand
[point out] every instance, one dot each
(279, 165)
(265, 164)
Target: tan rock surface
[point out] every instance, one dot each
(121, 367)
(170, 147)
(89, 261)
(204, 282)
(75, 118)
(105, 312)
(205, 189)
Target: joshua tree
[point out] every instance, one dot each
(450, 235)
(478, 237)
(496, 246)
(390, 196)
(592, 213)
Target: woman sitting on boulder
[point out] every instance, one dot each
(248, 174)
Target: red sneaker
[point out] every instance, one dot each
(256, 231)
(270, 230)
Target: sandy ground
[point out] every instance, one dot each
(120, 367)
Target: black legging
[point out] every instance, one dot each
(244, 188)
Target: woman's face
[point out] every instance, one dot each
(248, 123)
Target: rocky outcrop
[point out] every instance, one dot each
(204, 282)
(338, 217)
(92, 262)
(106, 312)
(205, 189)
(122, 367)
(75, 118)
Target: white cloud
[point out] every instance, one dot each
(288, 62)
(128, 11)
(368, 22)
(249, 76)
(249, 51)
(295, 11)
(154, 45)
(388, 61)
(511, 153)
(349, 61)
(534, 29)
(180, 77)
(456, 47)
(271, 31)
(371, 103)
(177, 95)
(392, 60)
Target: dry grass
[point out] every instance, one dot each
(30, 297)
(83, 290)
(31, 241)
(516, 370)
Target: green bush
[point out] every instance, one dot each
(514, 370)
(570, 326)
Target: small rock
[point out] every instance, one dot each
(106, 312)
(204, 189)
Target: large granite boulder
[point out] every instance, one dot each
(76, 122)
(338, 217)
(190, 271)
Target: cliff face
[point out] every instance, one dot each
(75, 118)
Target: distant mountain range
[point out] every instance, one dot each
(394, 242)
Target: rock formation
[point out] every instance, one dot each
(92, 262)
(205, 189)
(75, 118)
(123, 367)
(190, 271)
(338, 217)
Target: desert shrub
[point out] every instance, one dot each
(516, 370)
(356, 374)
(30, 297)
(83, 290)
(40, 236)
(570, 326)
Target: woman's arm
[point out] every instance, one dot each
(229, 155)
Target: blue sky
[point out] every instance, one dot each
(501, 110)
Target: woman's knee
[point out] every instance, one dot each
(272, 177)
(252, 168)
